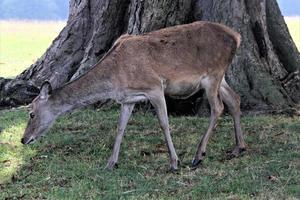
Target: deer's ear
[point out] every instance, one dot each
(45, 90)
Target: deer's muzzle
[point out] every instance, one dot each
(27, 140)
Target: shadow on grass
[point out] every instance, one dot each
(12, 153)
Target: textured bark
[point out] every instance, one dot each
(285, 49)
(265, 71)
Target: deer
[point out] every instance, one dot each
(176, 61)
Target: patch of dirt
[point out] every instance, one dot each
(15, 197)
(62, 182)
(145, 152)
(160, 148)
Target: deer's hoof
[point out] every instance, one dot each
(196, 163)
(111, 165)
(237, 151)
(174, 167)
(242, 150)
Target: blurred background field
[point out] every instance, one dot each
(23, 42)
(294, 28)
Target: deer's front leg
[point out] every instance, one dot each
(158, 101)
(126, 110)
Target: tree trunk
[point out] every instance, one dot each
(265, 72)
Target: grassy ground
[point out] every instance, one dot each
(22, 43)
(68, 163)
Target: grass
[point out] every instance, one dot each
(69, 162)
(23, 42)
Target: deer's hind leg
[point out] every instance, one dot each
(216, 108)
(232, 100)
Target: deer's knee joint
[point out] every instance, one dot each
(217, 109)
(235, 111)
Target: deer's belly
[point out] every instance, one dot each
(182, 89)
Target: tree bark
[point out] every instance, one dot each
(265, 71)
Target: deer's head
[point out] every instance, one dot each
(41, 115)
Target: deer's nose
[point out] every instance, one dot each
(23, 140)
(26, 141)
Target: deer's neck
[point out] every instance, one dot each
(96, 85)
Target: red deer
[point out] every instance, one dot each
(176, 61)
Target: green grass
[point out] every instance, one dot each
(69, 162)
(23, 42)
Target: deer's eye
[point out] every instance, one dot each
(31, 115)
